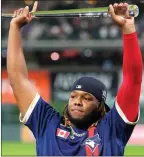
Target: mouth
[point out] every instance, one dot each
(77, 110)
(77, 113)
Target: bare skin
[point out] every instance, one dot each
(23, 90)
(81, 103)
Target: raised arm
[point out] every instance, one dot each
(23, 90)
(129, 92)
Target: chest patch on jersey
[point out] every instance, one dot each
(92, 142)
(62, 133)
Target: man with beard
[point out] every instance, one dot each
(88, 127)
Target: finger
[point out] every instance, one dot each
(115, 5)
(29, 17)
(26, 11)
(127, 11)
(111, 10)
(20, 11)
(120, 5)
(15, 12)
(121, 10)
(34, 9)
(126, 4)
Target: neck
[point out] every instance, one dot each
(76, 124)
(83, 124)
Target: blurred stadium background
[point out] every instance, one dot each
(58, 51)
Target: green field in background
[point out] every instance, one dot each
(17, 148)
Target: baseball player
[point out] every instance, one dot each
(88, 126)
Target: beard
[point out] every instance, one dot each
(85, 122)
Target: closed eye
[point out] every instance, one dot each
(88, 99)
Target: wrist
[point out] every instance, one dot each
(128, 29)
(14, 25)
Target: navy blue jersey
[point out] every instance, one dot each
(109, 136)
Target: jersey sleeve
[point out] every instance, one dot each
(120, 127)
(125, 113)
(38, 115)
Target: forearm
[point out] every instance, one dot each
(16, 65)
(129, 92)
(128, 29)
(132, 59)
(23, 90)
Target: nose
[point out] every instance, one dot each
(78, 102)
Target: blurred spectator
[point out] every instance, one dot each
(71, 29)
(80, 28)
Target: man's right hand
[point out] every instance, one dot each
(23, 16)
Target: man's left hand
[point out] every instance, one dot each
(120, 15)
